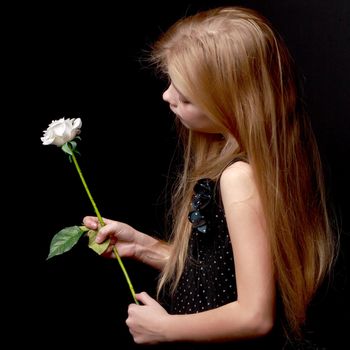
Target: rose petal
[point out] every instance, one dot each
(61, 131)
(77, 123)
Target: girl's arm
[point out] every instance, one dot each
(252, 315)
(130, 242)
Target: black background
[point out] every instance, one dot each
(91, 58)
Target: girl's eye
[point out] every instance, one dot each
(185, 102)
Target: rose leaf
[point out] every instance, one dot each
(99, 248)
(64, 240)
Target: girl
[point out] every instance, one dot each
(251, 240)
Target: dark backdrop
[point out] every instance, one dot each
(91, 58)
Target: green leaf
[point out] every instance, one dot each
(73, 145)
(99, 248)
(67, 149)
(64, 240)
(84, 228)
(70, 147)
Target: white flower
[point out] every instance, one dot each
(61, 131)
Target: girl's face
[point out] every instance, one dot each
(189, 114)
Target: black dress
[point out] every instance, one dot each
(208, 280)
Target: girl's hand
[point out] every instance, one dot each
(147, 322)
(122, 236)
(130, 243)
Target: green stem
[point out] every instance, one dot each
(103, 224)
(125, 274)
(87, 189)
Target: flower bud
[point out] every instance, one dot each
(61, 131)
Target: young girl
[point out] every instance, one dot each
(251, 240)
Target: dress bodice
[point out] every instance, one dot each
(208, 280)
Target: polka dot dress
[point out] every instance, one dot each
(208, 280)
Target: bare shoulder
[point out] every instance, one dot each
(237, 181)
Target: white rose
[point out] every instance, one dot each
(61, 131)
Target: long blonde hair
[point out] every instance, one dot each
(231, 64)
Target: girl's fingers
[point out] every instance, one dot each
(93, 223)
(146, 299)
(90, 222)
(111, 229)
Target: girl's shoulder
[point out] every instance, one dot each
(238, 181)
(237, 168)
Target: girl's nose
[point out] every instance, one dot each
(169, 97)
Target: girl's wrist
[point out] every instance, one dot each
(169, 328)
(152, 251)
